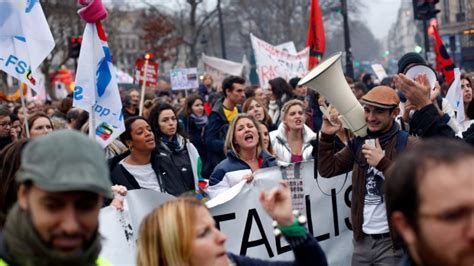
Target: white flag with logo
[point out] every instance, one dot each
(96, 86)
(455, 96)
(25, 39)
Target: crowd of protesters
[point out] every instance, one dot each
(221, 134)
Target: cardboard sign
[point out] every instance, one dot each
(151, 73)
(379, 71)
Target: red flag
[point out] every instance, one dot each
(444, 63)
(316, 39)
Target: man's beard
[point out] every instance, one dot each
(428, 256)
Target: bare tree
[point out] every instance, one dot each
(64, 23)
(191, 20)
(161, 36)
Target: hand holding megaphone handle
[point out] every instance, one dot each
(325, 112)
(329, 127)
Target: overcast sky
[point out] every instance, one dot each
(381, 14)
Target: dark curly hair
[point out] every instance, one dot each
(280, 87)
(188, 105)
(10, 159)
(127, 134)
(470, 108)
(155, 114)
(228, 83)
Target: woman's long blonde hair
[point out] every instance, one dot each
(166, 234)
(286, 107)
(229, 139)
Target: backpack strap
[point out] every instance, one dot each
(356, 144)
(402, 140)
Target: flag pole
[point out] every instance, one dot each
(25, 114)
(142, 93)
(92, 122)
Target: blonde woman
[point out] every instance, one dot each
(183, 232)
(245, 154)
(291, 141)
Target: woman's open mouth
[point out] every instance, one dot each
(249, 138)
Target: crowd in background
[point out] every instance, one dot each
(213, 137)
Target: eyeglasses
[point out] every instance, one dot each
(5, 124)
(452, 217)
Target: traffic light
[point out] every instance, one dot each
(75, 46)
(425, 9)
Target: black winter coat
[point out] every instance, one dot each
(170, 177)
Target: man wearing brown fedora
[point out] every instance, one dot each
(368, 158)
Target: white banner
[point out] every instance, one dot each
(96, 87)
(273, 62)
(288, 47)
(219, 68)
(184, 78)
(25, 39)
(249, 231)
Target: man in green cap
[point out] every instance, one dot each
(63, 180)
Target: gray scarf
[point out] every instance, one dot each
(27, 249)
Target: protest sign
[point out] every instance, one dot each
(379, 71)
(273, 62)
(219, 68)
(249, 229)
(184, 78)
(151, 73)
(118, 244)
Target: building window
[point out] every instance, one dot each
(462, 6)
(446, 11)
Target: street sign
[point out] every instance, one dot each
(151, 73)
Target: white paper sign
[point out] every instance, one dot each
(379, 71)
(184, 78)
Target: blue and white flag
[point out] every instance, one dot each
(96, 88)
(25, 39)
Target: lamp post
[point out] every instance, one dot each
(347, 40)
(221, 29)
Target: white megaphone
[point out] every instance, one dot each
(415, 70)
(328, 79)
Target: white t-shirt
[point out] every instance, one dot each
(144, 174)
(375, 214)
